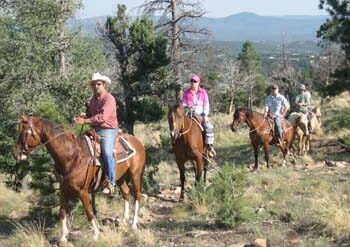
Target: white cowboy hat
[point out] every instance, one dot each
(98, 77)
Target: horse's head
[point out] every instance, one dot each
(317, 111)
(28, 138)
(315, 119)
(176, 117)
(239, 117)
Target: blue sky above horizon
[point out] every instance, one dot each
(214, 8)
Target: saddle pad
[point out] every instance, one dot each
(123, 150)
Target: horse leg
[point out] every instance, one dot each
(93, 201)
(267, 153)
(124, 188)
(307, 143)
(198, 168)
(205, 170)
(256, 156)
(181, 166)
(63, 216)
(136, 179)
(85, 199)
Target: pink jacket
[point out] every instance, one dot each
(199, 102)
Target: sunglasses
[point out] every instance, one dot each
(96, 84)
(194, 81)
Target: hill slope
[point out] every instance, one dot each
(246, 26)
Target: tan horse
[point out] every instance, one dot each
(261, 132)
(74, 164)
(305, 127)
(188, 143)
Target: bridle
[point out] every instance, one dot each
(175, 134)
(241, 116)
(30, 131)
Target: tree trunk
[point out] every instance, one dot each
(231, 105)
(130, 120)
(175, 49)
(60, 25)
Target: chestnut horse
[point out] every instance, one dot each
(261, 132)
(73, 164)
(188, 143)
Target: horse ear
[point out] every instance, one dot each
(24, 117)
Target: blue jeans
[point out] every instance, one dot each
(107, 144)
(278, 127)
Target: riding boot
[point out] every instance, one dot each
(211, 150)
(108, 188)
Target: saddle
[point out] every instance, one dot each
(271, 123)
(123, 150)
(195, 118)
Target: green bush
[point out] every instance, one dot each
(224, 197)
(343, 120)
(228, 186)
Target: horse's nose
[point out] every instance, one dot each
(233, 128)
(18, 154)
(15, 152)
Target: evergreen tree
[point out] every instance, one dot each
(141, 57)
(250, 61)
(34, 76)
(250, 65)
(337, 30)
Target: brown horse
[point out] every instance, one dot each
(261, 132)
(73, 164)
(188, 143)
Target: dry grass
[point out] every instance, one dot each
(143, 237)
(13, 204)
(29, 234)
(111, 237)
(334, 211)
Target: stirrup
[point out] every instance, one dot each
(211, 152)
(108, 189)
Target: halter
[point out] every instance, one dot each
(183, 126)
(26, 150)
(30, 131)
(256, 128)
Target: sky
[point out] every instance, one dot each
(214, 8)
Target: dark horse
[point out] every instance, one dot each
(73, 164)
(188, 143)
(261, 132)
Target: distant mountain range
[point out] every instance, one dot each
(246, 26)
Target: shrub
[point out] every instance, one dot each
(224, 198)
(228, 188)
(342, 121)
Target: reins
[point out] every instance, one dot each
(262, 122)
(183, 126)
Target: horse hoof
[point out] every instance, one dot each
(95, 237)
(254, 170)
(62, 242)
(124, 222)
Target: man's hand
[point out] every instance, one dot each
(79, 120)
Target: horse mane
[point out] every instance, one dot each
(56, 131)
(249, 112)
